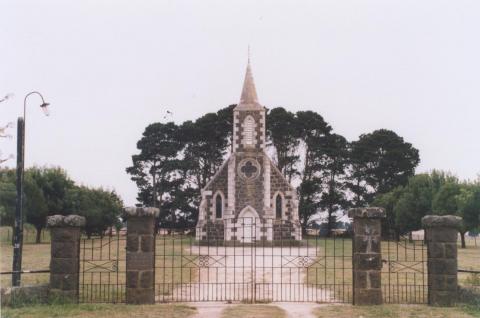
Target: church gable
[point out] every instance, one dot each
(278, 181)
(219, 182)
(249, 182)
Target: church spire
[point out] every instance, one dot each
(249, 98)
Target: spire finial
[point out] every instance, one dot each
(248, 97)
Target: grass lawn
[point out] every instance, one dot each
(29, 234)
(253, 311)
(395, 311)
(35, 256)
(100, 310)
(239, 311)
(469, 258)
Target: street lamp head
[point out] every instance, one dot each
(45, 109)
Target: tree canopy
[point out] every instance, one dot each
(434, 193)
(175, 161)
(48, 191)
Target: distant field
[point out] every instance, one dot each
(29, 234)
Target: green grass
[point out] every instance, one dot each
(29, 234)
(35, 257)
(253, 311)
(100, 311)
(394, 311)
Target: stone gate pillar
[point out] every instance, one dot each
(441, 234)
(366, 255)
(65, 255)
(141, 255)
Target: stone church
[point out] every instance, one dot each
(248, 199)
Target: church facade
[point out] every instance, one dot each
(248, 199)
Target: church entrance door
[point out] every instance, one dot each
(247, 219)
(248, 231)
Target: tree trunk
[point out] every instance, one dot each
(330, 221)
(462, 236)
(38, 238)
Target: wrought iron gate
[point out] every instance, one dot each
(102, 269)
(404, 272)
(251, 270)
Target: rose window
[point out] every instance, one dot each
(249, 169)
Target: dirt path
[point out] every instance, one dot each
(293, 310)
(245, 274)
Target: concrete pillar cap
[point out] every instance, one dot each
(369, 212)
(72, 220)
(140, 212)
(430, 221)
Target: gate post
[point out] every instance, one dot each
(65, 255)
(140, 255)
(441, 234)
(366, 255)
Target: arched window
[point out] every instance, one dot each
(278, 206)
(248, 131)
(218, 206)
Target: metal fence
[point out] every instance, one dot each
(310, 270)
(404, 271)
(102, 269)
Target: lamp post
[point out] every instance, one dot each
(18, 233)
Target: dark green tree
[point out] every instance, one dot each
(414, 203)
(468, 202)
(454, 198)
(101, 208)
(157, 163)
(53, 183)
(445, 199)
(388, 201)
(7, 197)
(380, 161)
(313, 134)
(206, 143)
(283, 131)
(333, 173)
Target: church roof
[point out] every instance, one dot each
(248, 99)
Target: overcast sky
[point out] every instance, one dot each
(109, 68)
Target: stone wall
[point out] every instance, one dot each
(140, 255)
(441, 236)
(367, 257)
(65, 255)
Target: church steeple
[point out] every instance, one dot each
(249, 98)
(248, 118)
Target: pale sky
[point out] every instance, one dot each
(110, 68)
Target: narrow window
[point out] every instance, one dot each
(278, 206)
(218, 206)
(248, 130)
